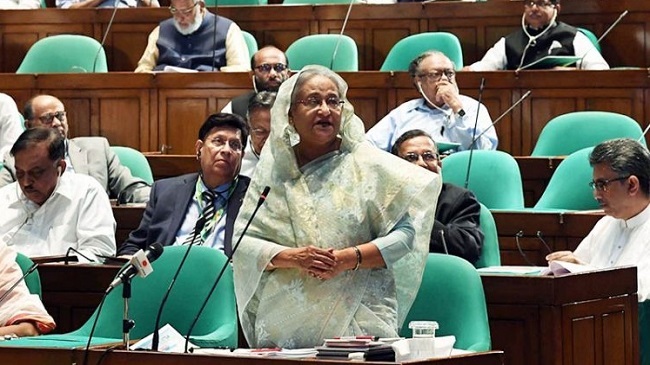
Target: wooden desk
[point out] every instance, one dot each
(561, 231)
(164, 166)
(146, 111)
(588, 318)
(375, 28)
(25, 356)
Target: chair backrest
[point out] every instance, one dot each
(490, 253)
(318, 49)
(251, 43)
(407, 49)
(197, 276)
(494, 178)
(135, 161)
(569, 185)
(33, 280)
(452, 294)
(592, 37)
(64, 53)
(570, 132)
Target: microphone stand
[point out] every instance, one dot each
(127, 323)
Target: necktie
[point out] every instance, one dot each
(207, 214)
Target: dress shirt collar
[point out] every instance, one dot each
(637, 220)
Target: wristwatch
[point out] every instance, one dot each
(461, 113)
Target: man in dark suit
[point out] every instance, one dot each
(199, 207)
(91, 156)
(456, 229)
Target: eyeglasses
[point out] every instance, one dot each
(426, 157)
(313, 102)
(185, 11)
(219, 143)
(601, 185)
(436, 75)
(540, 4)
(267, 67)
(49, 117)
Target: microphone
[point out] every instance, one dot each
(518, 235)
(539, 237)
(30, 270)
(338, 41)
(108, 28)
(527, 94)
(620, 17)
(444, 242)
(137, 264)
(198, 227)
(643, 134)
(471, 146)
(72, 249)
(260, 201)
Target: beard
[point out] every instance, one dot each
(192, 27)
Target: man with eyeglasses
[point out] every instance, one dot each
(270, 68)
(541, 36)
(49, 210)
(212, 196)
(621, 183)
(259, 122)
(456, 229)
(85, 155)
(195, 39)
(442, 111)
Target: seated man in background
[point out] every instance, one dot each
(456, 230)
(213, 195)
(270, 68)
(441, 111)
(48, 210)
(621, 183)
(259, 122)
(85, 4)
(189, 40)
(540, 36)
(10, 123)
(21, 313)
(85, 155)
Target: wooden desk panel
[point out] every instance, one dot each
(375, 28)
(573, 319)
(148, 112)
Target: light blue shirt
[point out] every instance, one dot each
(442, 125)
(216, 239)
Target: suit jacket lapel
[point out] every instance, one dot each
(78, 158)
(182, 198)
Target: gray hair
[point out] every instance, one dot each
(415, 64)
(624, 156)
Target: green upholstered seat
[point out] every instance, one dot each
(490, 253)
(65, 53)
(407, 49)
(337, 52)
(135, 161)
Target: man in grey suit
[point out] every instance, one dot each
(199, 207)
(85, 155)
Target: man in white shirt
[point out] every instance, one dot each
(19, 4)
(442, 112)
(194, 39)
(621, 183)
(47, 211)
(10, 120)
(259, 122)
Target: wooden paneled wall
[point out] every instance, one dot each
(147, 111)
(375, 28)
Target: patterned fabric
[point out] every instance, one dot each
(207, 215)
(348, 197)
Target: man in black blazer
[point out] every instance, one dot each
(176, 204)
(458, 212)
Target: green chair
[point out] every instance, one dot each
(217, 325)
(33, 280)
(495, 178)
(407, 49)
(592, 37)
(235, 2)
(569, 188)
(251, 42)
(490, 253)
(63, 54)
(452, 294)
(570, 132)
(318, 49)
(135, 161)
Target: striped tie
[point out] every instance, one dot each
(207, 214)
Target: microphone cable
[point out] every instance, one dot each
(92, 329)
(108, 28)
(521, 252)
(338, 41)
(539, 237)
(471, 146)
